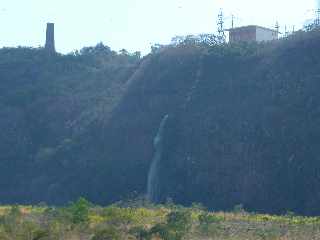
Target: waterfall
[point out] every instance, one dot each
(153, 175)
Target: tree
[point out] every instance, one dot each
(109, 233)
(80, 211)
(177, 226)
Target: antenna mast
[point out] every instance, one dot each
(221, 34)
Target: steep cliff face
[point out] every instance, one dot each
(249, 135)
(127, 140)
(243, 126)
(251, 138)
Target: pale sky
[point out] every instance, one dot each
(136, 24)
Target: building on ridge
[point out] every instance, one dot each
(252, 33)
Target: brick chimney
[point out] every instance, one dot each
(50, 38)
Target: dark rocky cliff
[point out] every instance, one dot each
(243, 128)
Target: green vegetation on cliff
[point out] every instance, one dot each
(48, 104)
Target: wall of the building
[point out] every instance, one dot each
(265, 35)
(252, 33)
(243, 35)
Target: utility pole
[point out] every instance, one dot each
(221, 34)
(286, 33)
(317, 21)
(232, 21)
(277, 27)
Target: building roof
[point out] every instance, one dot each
(250, 26)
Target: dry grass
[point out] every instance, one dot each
(229, 226)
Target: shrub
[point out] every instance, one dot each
(206, 219)
(238, 208)
(13, 219)
(198, 207)
(79, 211)
(161, 230)
(119, 216)
(109, 233)
(40, 234)
(179, 220)
(177, 226)
(15, 211)
(140, 233)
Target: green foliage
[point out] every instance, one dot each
(118, 215)
(31, 230)
(206, 218)
(13, 225)
(37, 223)
(79, 211)
(108, 233)
(180, 219)
(176, 227)
(15, 212)
(160, 230)
(140, 233)
(13, 218)
(290, 214)
(198, 206)
(41, 234)
(170, 204)
(51, 105)
(9, 224)
(238, 208)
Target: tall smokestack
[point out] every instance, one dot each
(50, 38)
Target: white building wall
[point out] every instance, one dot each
(265, 35)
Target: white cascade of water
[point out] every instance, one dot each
(153, 175)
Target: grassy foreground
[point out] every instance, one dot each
(83, 221)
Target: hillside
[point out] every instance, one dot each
(47, 105)
(242, 127)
